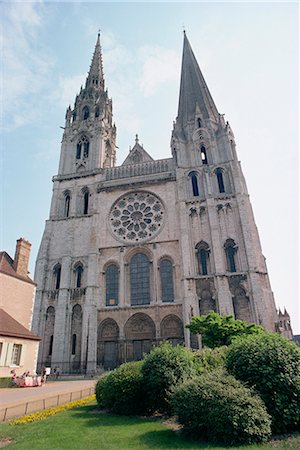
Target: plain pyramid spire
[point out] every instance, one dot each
(194, 94)
(95, 77)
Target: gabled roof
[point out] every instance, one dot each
(10, 327)
(137, 154)
(7, 268)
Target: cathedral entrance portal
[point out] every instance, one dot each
(139, 335)
(107, 344)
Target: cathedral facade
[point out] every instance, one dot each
(130, 253)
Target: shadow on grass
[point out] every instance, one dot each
(154, 438)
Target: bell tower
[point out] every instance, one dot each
(89, 136)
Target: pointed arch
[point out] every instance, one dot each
(85, 112)
(112, 285)
(230, 251)
(203, 252)
(78, 269)
(206, 302)
(82, 148)
(203, 155)
(166, 280)
(48, 335)
(241, 305)
(140, 279)
(107, 344)
(140, 335)
(194, 183)
(220, 180)
(67, 203)
(56, 275)
(171, 329)
(76, 338)
(85, 200)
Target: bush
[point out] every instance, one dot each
(208, 359)
(218, 408)
(270, 364)
(121, 391)
(163, 368)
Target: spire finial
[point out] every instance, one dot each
(99, 31)
(136, 138)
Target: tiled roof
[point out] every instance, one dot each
(7, 268)
(10, 327)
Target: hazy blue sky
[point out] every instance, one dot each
(248, 53)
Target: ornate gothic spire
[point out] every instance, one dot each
(194, 94)
(95, 76)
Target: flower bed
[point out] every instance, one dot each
(41, 415)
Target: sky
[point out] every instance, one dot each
(248, 53)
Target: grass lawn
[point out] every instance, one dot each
(84, 428)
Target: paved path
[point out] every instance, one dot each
(18, 401)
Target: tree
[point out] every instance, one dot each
(219, 330)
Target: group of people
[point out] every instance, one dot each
(45, 372)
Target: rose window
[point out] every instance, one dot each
(136, 216)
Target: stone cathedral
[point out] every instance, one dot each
(130, 253)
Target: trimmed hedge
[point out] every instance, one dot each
(271, 364)
(163, 368)
(121, 390)
(218, 408)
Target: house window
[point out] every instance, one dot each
(140, 279)
(221, 186)
(112, 285)
(78, 276)
(166, 280)
(16, 354)
(230, 250)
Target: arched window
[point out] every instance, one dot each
(85, 113)
(199, 122)
(194, 181)
(203, 155)
(140, 279)
(230, 250)
(86, 202)
(221, 186)
(112, 285)
(166, 280)
(73, 344)
(97, 112)
(82, 148)
(67, 205)
(203, 258)
(78, 276)
(56, 276)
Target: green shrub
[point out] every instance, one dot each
(270, 364)
(121, 391)
(218, 408)
(163, 368)
(208, 359)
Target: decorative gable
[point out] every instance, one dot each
(137, 154)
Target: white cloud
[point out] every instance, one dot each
(26, 64)
(159, 66)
